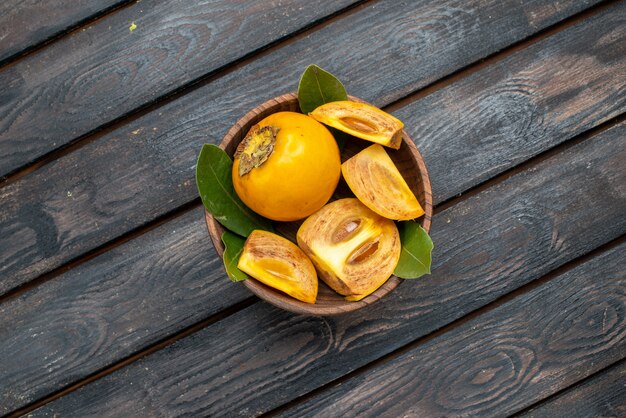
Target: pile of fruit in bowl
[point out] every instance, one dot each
(286, 211)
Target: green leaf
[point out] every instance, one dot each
(233, 246)
(416, 251)
(318, 87)
(215, 184)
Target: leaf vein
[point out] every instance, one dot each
(414, 257)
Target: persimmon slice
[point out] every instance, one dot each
(279, 263)
(361, 120)
(354, 249)
(374, 179)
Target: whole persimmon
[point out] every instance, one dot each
(287, 167)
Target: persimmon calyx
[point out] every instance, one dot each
(256, 147)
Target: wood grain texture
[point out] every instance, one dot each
(27, 23)
(261, 357)
(56, 97)
(74, 365)
(99, 74)
(146, 168)
(110, 307)
(522, 105)
(502, 361)
(603, 395)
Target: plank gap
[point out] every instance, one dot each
(280, 43)
(177, 93)
(450, 326)
(225, 313)
(614, 366)
(500, 55)
(363, 369)
(75, 27)
(525, 165)
(115, 242)
(180, 210)
(534, 157)
(173, 213)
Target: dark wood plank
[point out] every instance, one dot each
(84, 366)
(99, 74)
(145, 169)
(502, 361)
(30, 308)
(147, 64)
(261, 357)
(604, 395)
(24, 24)
(104, 310)
(523, 105)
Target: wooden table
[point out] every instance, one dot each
(115, 304)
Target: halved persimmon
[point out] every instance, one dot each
(279, 263)
(375, 180)
(354, 249)
(361, 120)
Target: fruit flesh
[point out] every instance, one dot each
(278, 263)
(374, 179)
(354, 250)
(291, 167)
(361, 120)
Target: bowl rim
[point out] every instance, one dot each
(277, 298)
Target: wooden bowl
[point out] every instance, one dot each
(407, 159)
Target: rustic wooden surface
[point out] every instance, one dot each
(547, 339)
(97, 75)
(142, 170)
(113, 302)
(111, 72)
(227, 359)
(603, 395)
(27, 24)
